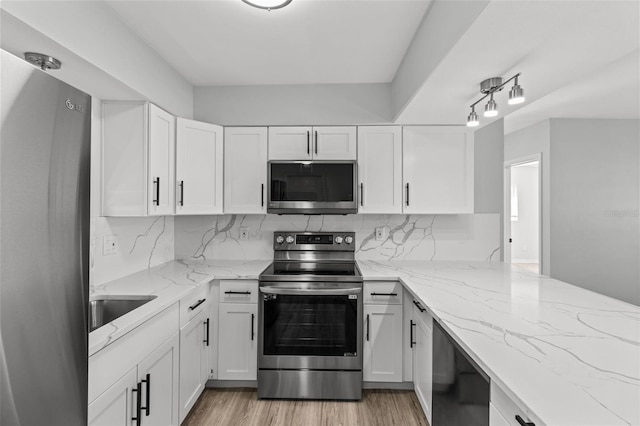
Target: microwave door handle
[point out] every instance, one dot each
(311, 292)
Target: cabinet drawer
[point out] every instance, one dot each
(238, 291)
(421, 311)
(383, 292)
(193, 303)
(508, 409)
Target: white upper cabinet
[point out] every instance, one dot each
(290, 143)
(138, 159)
(319, 143)
(245, 170)
(437, 169)
(199, 162)
(380, 169)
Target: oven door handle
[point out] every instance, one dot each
(311, 291)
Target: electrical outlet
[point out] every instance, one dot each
(109, 245)
(381, 233)
(244, 233)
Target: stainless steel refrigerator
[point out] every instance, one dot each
(44, 249)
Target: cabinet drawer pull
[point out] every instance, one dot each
(411, 325)
(147, 407)
(316, 134)
(253, 317)
(198, 303)
(384, 294)
(522, 422)
(361, 194)
(237, 292)
(262, 195)
(181, 193)
(206, 333)
(308, 149)
(138, 416)
(419, 306)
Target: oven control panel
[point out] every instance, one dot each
(324, 241)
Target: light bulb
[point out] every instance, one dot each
(491, 108)
(472, 120)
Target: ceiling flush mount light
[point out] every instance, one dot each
(490, 86)
(45, 62)
(268, 4)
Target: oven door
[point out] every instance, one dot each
(310, 325)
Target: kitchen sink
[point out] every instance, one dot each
(104, 309)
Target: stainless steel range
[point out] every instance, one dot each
(310, 318)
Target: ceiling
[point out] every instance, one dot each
(223, 42)
(578, 59)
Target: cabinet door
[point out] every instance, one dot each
(194, 361)
(124, 159)
(290, 143)
(161, 162)
(407, 337)
(159, 371)
(383, 338)
(438, 170)
(199, 159)
(422, 362)
(380, 169)
(237, 353)
(495, 417)
(114, 406)
(245, 170)
(334, 143)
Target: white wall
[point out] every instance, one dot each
(322, 104)
(525, 231)
(594, 205)
(525, 142)
(91, 30)
(422, 238)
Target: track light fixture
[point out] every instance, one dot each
(488, 87)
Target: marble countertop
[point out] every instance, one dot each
(570, 356)
(169, 282)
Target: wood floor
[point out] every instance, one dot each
(241, 407)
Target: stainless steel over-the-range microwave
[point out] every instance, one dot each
(312, 187)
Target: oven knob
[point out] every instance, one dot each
(279, 239)
(290, 239)
(338, 240)
(348, 239)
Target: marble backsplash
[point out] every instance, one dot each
(408, 237)
(143, 242)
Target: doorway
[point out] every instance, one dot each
(522, 218)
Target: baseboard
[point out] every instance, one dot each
(232, 384)
(388, 385)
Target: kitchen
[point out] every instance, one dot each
(581, 83)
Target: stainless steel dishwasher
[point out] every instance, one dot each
(460, 387)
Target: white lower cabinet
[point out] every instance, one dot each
(422, 359)
(382, 361)
(113, 407)
(495, 418)
(238, 348)
(194, 360)
(147, 393)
